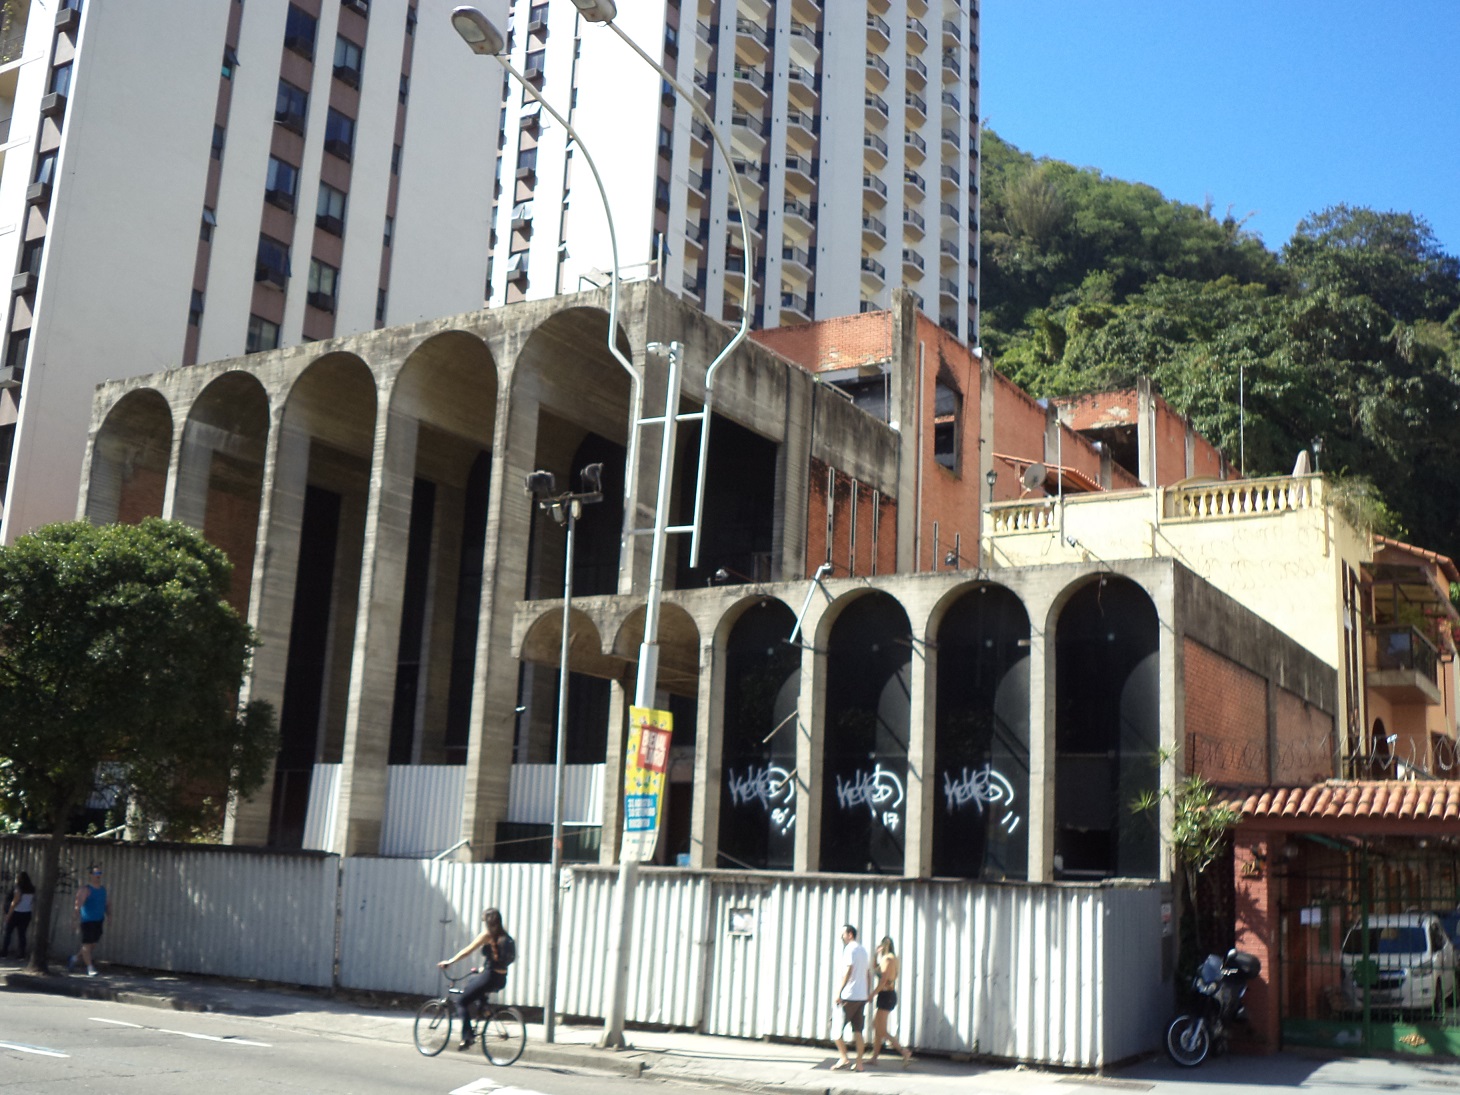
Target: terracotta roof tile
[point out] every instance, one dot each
(1393, 800)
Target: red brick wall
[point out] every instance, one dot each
(951, 499)
(1304, 740)
(1100, 410)
(1170, 445)
(231, 523)
(1257, 914)
(877, 523)
(1226, 718)
(141, 495)
(842, 343)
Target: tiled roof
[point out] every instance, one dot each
(1342, 800)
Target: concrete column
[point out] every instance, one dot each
(361, 808)
(912, 386)
(704, 839)
(441, 625)
(1042, 769)
(1172, 703)
(921, 762)
(619, 701)
(271, 606)
(186, 499)
(793, 465)
(1145, 432)
(810, 745)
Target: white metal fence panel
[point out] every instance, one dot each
(1133, 956)
(530, 794)
(739, 923)
(399, 917)
(324, 797)
(422, 809)
(233, 912)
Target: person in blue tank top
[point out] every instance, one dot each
(91, 908)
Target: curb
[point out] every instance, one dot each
(600, 1060)
(87, 990)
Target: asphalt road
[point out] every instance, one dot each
(55, 1043)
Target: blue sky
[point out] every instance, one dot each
(1277, 108)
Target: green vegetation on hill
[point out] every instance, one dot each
(1351, 333)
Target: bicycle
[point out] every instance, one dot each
(499, 1029)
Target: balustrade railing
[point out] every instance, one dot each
(1242, 497)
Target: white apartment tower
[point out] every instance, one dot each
(184, 180)
(853, 128)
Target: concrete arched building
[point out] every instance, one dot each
(894, 717)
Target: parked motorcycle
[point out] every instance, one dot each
(1217, 990)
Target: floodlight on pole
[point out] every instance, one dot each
(478, 32)
(603, 11)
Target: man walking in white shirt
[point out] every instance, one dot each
(852, 993)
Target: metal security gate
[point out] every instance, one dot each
(1370, 945)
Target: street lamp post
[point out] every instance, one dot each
(605, 11)
(565, 510)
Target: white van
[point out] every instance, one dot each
(1407, 963)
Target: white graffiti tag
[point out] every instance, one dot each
(878, 790)
(772, 787)
(981, 786)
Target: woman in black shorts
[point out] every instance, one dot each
(888, 967)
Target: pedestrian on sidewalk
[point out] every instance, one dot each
(852, 991)
(91, 910)
(885, 999)
(499, 950)
(18, 913)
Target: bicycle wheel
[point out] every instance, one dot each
(503, 1035)
(433, 1027)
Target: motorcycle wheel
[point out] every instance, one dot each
(1188, 1041)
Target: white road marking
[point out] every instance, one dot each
(476, 1087)
(40, 1050)
(213, 1037)
(116, 1023)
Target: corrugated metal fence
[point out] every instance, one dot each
(1056, 974)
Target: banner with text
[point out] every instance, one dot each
(645, 765)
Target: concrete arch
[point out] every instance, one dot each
(868, 710)
(220, 471)
(450, 380)
(541, 645)
(679, 647)
(759, 693)
(1107, 682)
(982, 756)
(333, 400)
(130, 454)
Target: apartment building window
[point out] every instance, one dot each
(61, 79)
(218, 132)
(389, 231)
(395, 160)
(262, 335)
(230, 62)
(323, 281)
(410, 20)
(195, 308)
(273, 262)
(300, 29)
(210, 221)
(380, 306)
(405, 88)
(533, 69)
(291, 106)
(339, 134)
(348, 61)
(329, 213)
(283, 184)
(45, 167)
(947, 418)
(18, 348)
(30, 256)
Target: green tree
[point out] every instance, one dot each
(118, 652)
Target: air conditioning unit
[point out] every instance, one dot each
(537, 25)
(362, 7)
(335, 226)
(53, 105)
(517, 267)
(290, 120)
(528, 172)
(67, 20)
(38, 193)
(23, 282)
(11, 376)
(325, 302)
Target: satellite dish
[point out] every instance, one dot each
(1033, 475)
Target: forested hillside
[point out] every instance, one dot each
(1350, 333)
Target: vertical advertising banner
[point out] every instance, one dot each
(645, 764)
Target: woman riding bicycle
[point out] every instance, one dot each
(498, 952)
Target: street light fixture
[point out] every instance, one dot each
(1317, 454)
(991, 477)
(565, 509)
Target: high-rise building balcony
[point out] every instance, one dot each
(877, 111)
(917, 108)
(879, 34)
(878, 74)
(917, 34)
(950, 141)
(747, 134)
(915, 185)
(948, 252)
(801, 127)
(874, 232)
(914, 148)
(799, 220)
(874, 151)
(751, 224)
(951, 215)
(874, 190)
(951, 178)
(800, 176)
(750, 181)
(917, 73)
(952, 33)
(750, 83)
(801, 88)
(797, 305)
(913, 224)
(952, 65)
(803, 38)
(753, 34)
(874, 274)
(912, 263)
(796, 263)
(948, 288)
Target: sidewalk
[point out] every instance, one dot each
(731, 1063)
